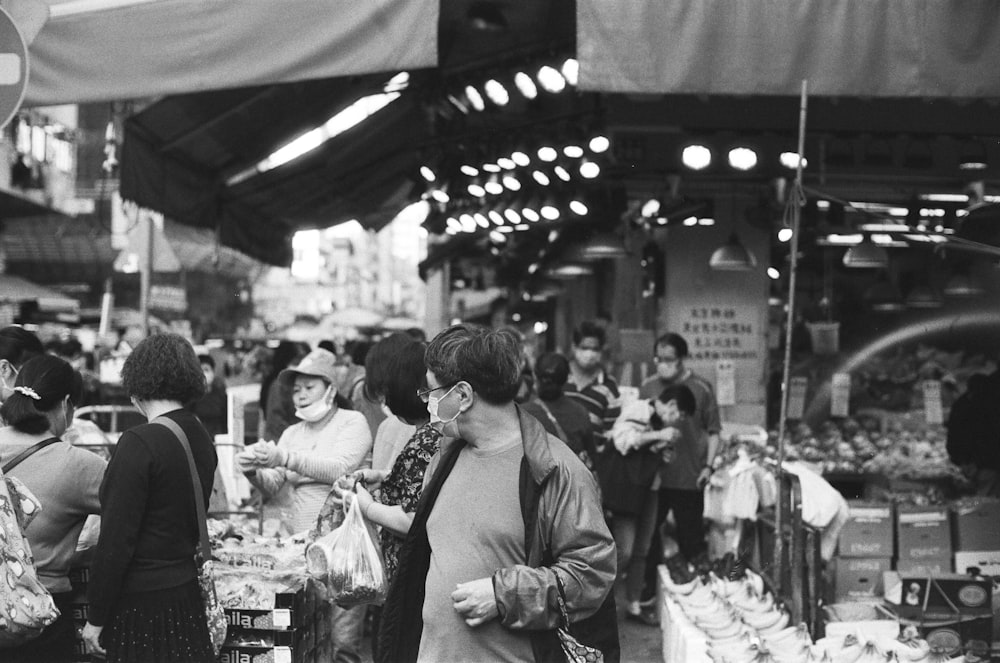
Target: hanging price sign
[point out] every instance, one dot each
(933, 409)
(797, 397)
(725, 382)
(840, 395)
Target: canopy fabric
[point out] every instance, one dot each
(98, 50)
(14, 289)
(876, 48)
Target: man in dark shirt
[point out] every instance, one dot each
(212, 408)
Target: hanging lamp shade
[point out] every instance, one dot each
(570, 270)
(923, 297)
(884, 297)
(605, 245)
(963, 285)
(732, 257)
(866, 255)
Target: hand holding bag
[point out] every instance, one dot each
(576, 652)
(356, 567)
(215, 614)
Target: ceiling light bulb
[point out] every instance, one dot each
(706, 221)
(468, 223)
(561, 173)
(650, 208)
(541, 177)
(451, 231)
(493, 187)
(547, 153)
(492, 168)
(696, 157)
(550, 212)
(691, 221)
(497, 237)
(550, 79)
(589, 170)
(440, 196)
(784, 235)
(512, 183)
(481, 220)
(599, 144)
(511, 215)
(790, 160)
(427, 173)
(573, 151)
(571, 71)
(530, 214)
(525, 85)
(773, 273)
(496, 92)
(742, 158)
(578, 207)
(506, 163)
(476, 189)
(475, 99)
(496, 217)
(520, 158)
(471, 171)
(454, 224)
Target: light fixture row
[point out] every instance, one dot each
(506, 219)
(698, 156)
(547, 78)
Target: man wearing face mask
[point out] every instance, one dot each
(682, 491)
(589, 384)
(509, 520)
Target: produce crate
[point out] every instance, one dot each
(293, 609)
(868, 530)
(269, 646)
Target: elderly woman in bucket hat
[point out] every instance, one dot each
(312, 454)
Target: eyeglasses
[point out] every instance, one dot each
(425, 394)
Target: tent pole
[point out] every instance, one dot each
(146, 275)
(795, 201)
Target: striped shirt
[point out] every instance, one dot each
(602, 400)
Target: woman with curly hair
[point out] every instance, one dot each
(145, 604)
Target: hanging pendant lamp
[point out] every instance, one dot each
(866, 255)
(923, 297)
(732, 257)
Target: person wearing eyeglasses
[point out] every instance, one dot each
(682, 484)
(509, 521)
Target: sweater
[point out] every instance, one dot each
(149, 528)
(66, 481)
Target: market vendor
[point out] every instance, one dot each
(327, 443)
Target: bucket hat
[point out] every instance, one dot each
(318, 363)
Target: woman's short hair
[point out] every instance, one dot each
(17, 345)
(676, 341)
(683, 395)
(551, 373)
(42, 384)
(489, 360)
(163, 367)
(395, 370)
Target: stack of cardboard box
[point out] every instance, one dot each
(865, 551)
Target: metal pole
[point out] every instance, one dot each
(146, 275)
(796, 201)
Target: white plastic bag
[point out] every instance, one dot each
(356, 568)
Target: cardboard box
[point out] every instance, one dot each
(924, 567)
(976, 524)
(870, 621)
(868, 531)
(859, 578)
(292, 609)
(987, 561)
(923, 532)
(923, 596)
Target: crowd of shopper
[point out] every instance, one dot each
(498, 486)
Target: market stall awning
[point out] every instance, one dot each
(14, 290)
(96, 50)
(875, 48)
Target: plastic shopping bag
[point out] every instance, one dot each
(356, 569)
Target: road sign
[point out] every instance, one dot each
(13, 68)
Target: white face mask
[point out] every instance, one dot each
(317, 410)
(432, 409)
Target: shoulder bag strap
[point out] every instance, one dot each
(199, 498)
(548, 413)
(24, 455)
